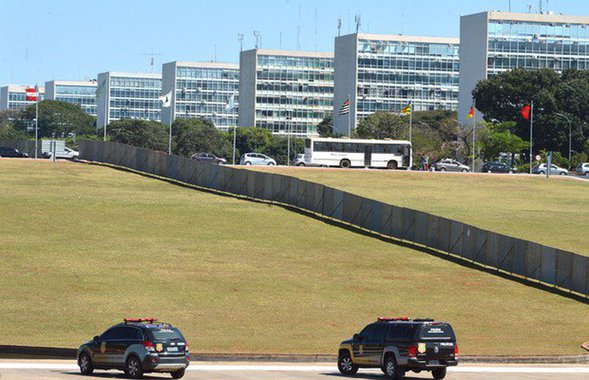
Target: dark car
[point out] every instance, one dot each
(398, 345)
(497, 167)
(6, 151)
(208, 157)
(136, 346)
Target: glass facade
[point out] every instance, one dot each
(537, 45)
(134, 98)
(17, 99)
(206, 92)
(85, 96)
(293, 94)
(392, 73)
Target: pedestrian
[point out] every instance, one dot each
(424, 163)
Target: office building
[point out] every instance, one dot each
(286, 92)
(82, 93)
(128, 96)
(385, 72)
(14, 96)
(494, 42)
(207, 90)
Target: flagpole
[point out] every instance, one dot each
(37, 122)
(349, 116)
(411, 122)
(531, 132)
(474, 131)
(234, 141)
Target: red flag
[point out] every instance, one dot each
(525, 112)
(471, 113)
(31, 94)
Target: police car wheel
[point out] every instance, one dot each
(85, 363)
(439, 373)
(178, 374)
(392, 370)
(345, 364)
(133, 368)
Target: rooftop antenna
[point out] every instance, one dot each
(299, 30)
(258, 36)
(152, 56)
(215, 54)
(315, 36)
(240, 39)
(509, 6)
(358, 21)
(529, 8)
(339, 26)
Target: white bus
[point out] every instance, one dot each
(346, 153)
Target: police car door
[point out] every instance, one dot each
(99, 354)
(375, 346)
(363, 352)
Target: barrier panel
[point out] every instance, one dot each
(531, 260)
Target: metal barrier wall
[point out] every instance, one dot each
(27, 146)
(553, 267)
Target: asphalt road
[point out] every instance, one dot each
(44, 370)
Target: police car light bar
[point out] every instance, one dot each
(388, 319)
(139, 320)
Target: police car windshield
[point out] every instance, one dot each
(165, 334)
(436, 332)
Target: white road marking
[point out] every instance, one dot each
(305, 368)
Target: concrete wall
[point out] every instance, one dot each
(345, 79)
(169, 85)
(473, 59)
(247, 88)
(50, 90)
(102, 98)
(4, 98)
(511, 256)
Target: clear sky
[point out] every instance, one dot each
(42, 40)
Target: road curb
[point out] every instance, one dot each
(32, 352)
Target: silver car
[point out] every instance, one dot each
(299, 160)
(256, 159)
(583, 169)
(554, 170)
(450, 165)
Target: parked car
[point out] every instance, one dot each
(256, 159)
(398, 345)
(497, 167)
(136, 346)
(208, 157)
(6, 151)
(450, 165)
(583, 169)
(554, 170)
(65, 152)
(299, 160)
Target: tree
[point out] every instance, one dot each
(141, 133)
(325, 127)
(498, 138)
(381, 125)
(58, 119)
(199, 136)
(252, 139)
(9, 133)
(557, 98)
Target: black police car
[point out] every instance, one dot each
(397, 345)
(6, 151)
(137, 346)
(497, 167)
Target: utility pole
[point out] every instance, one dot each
(240, 39)
(339, 26)
(358, 21)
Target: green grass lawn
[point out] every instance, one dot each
(82, 247)
(553, 212)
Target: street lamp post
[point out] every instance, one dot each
(570, 133)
